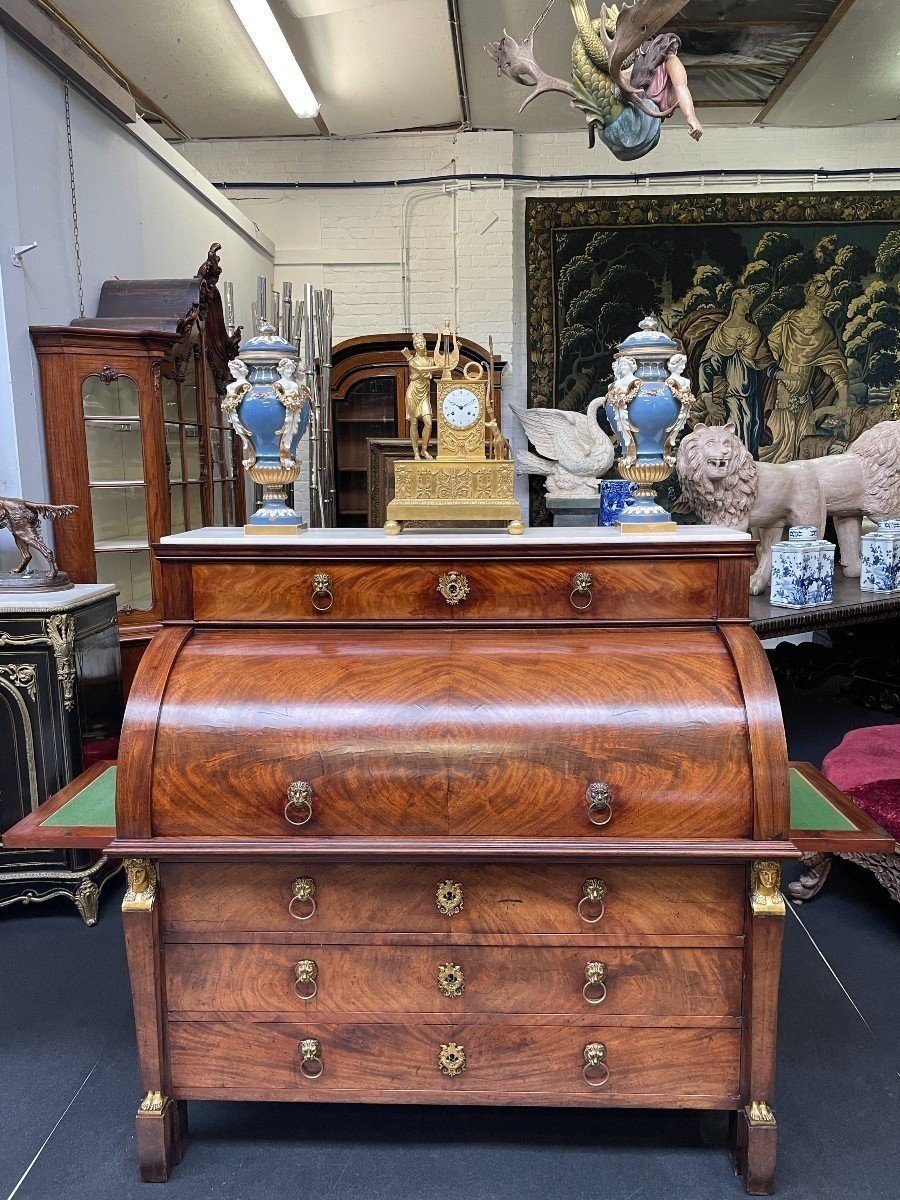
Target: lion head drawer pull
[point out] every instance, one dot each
(595, 1070)
(306, 972)
(322, 593)
(599, 803)
(303, 900)
(582, 593)
(595, 983)
(453, 586)
(311, 1065)
(451, 980)
(452, 1060)
(449, 898)
(594, 894)
(299, 803)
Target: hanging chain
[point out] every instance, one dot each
(74, 204)
(540, 18)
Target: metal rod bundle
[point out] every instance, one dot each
(316, 507)
(324, 304)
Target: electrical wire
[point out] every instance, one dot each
(811, 175)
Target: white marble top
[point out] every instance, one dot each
(605, 535)
(51, 602)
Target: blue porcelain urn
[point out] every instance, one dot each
(648, 405)
(269, 409)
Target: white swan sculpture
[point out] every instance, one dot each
(573, 452)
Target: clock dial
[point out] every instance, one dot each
(460, 408)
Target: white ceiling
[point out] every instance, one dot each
(381, 65)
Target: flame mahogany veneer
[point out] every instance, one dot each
(454, 742)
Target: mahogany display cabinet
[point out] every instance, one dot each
(135, 435)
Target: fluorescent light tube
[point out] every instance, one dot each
(265, 33)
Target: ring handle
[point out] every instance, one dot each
(305, 974)
(594, 893)
(322, 594)
(311, 1064)
(595, 977)
(582, 587)
(595, 1070)
(599, 803)
(304, 892)
(300, 798)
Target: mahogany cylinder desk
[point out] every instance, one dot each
(455, 819)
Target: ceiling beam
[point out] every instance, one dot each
(41, 34)
(840, 11)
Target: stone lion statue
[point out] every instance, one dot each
(721, 482)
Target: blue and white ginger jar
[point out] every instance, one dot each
(802, 569)
(881, 558)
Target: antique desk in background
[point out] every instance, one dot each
(60, 706)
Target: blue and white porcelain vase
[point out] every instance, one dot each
(269, 410)
(614, 495)
(802, 569)
(881, 558)
(648, 405)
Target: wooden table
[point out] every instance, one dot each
(851, 606)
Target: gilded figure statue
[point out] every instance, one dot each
(418, 394)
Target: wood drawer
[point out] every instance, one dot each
(517, 1057)
(502, 899)
(642, 982)
(625, 589)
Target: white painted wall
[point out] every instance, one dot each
(408, 257)
(143, 213)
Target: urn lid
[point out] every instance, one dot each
(801, 539)
(649, 342)
(266, 346)
(888, 530)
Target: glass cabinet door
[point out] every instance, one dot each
(112, 427)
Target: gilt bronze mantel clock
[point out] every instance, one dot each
(472, 477)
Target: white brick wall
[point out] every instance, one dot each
(409, 257)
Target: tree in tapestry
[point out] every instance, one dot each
(788, 307)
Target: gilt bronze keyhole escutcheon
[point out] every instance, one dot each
(452, 1059)
(453, 586)
(450, 980)
(449, 898)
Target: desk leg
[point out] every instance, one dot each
(754, 1131)
(162, 1130)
